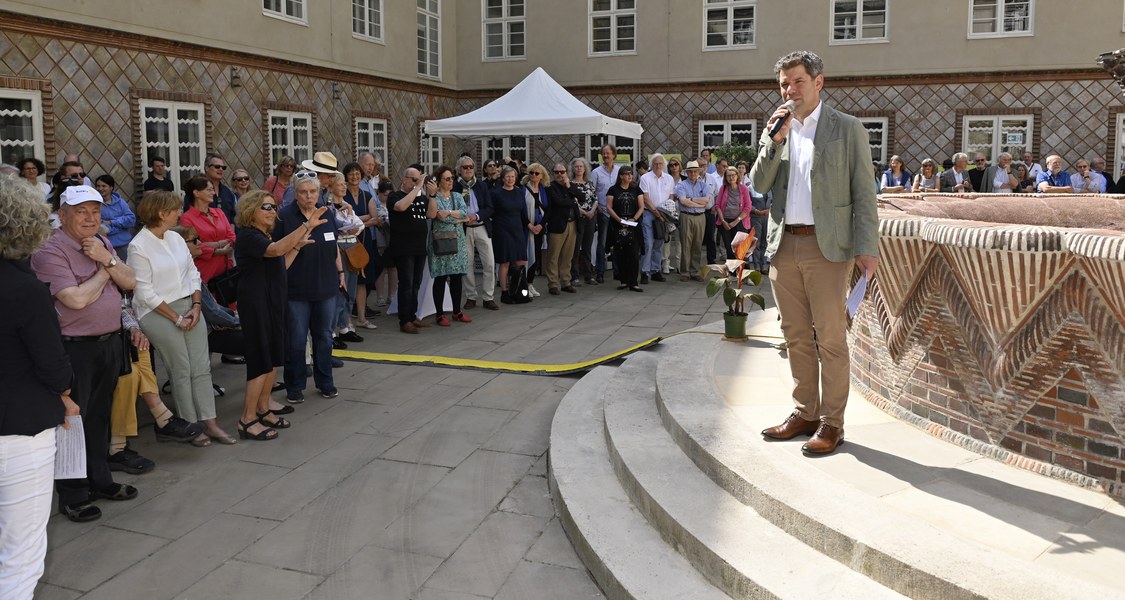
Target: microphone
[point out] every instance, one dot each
(778, 124)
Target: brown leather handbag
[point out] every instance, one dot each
(356, 257)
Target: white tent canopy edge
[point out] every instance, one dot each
(536, 106)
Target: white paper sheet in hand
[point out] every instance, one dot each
(70, 450)
(628, 222)
(856, 295)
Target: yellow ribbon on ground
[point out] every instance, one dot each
(497, 366)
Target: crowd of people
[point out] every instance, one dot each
(279, 276)
(1006, 176)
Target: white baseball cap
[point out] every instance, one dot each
(77, 194)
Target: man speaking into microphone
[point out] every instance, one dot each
(817, 162)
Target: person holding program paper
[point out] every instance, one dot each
(824, 221)
(626, 203)
(35, 375)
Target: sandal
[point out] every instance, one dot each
(81, 512)
(280, 423)
(262, 436)
(201, 441)
(120, 491)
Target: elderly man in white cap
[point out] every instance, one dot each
(323, 166)
(86, 279)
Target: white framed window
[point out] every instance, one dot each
(504, 28)
(877, 137)
(290, 135)
(429, 39)
(173, 131)
(859, 21)
(713, 134)
(627, 148)
(371, 136)
(1001, 18)
(514, 146)
(729, 24)
(429, 150)
(613, 27)
(367, 20)
(21, 125)
(991, 135)
(286, 10)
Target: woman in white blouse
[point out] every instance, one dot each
(168, 302)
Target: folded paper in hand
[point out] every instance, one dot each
(856, 295)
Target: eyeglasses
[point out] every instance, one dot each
(219, 167)
(467, 167)
(560, 172)
(268, 207)
(305, 175)
(982, 160)
(447, 178)
(240, 179)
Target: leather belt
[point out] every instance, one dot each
(801, 229)
(89, 338)
(475, 225)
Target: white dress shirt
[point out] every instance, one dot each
(164, 268)
(657, 190)
(798, 204)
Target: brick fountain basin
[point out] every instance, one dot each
(998, 322)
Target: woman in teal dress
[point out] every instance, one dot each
(449, 212)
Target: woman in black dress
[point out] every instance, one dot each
(625, 201)
(509, 222)
(261, 305)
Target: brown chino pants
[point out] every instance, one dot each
(560, 252)
(810, 292)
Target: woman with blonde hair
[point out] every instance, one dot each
(535, 195)
(35, 374)
(262, 297)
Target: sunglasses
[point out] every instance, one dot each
(219, 167)
(674, 164)
(447, 178)
(536, 174)
(306, 175)
(559, 172)
(240, 179)
(268, 207)
(467, 167)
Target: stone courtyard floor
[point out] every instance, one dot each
(416, 482)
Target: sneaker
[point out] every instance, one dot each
(591, 281)
(338, 344)
(600, 278)
(177, 430)
(330, 392)
(295, 397)
(130, 462)
(534, 293)
(351, 336)
(657, 277)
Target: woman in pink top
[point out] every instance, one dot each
(216, 236)
(281, 179)
(732, 207)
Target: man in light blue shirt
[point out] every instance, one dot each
(604, 177)
(695, 199)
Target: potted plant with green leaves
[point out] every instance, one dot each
(732, 278)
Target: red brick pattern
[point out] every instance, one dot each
(1004, 338)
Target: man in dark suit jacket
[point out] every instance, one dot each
(824, 223)
(956, 180)
(562, 212)
(478, 233)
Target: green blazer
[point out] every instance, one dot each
(843, 187)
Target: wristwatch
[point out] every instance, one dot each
(112, 262)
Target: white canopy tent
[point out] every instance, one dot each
(538, 105)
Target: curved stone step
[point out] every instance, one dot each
(804, 497)
(733, 546)
(624, 553)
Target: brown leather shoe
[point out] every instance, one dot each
(825, 441)
(470, 304)
(791, 427)
(408, 328)
(491, 305)
(420, 324)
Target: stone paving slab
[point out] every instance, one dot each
(343, 505)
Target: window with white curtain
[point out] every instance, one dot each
(290, 135)
(993, 134)
(21, 125)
